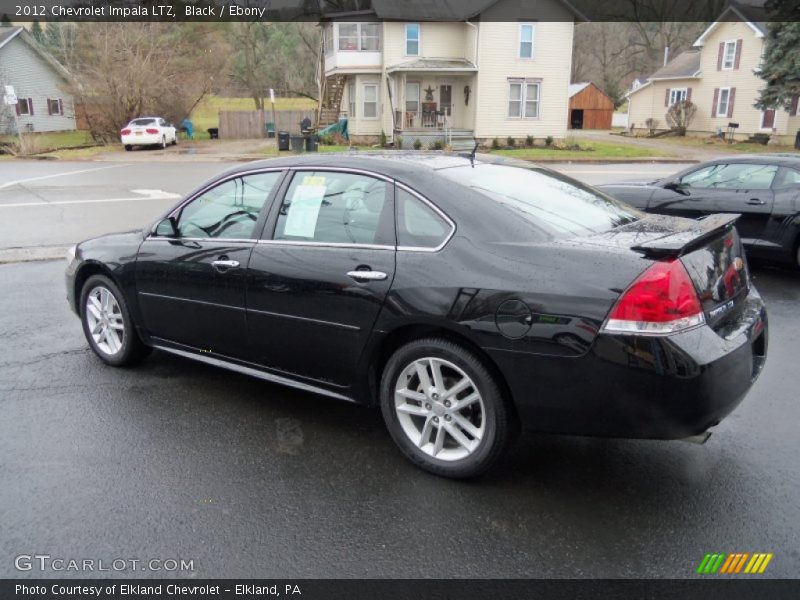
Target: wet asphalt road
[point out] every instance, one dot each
(173, 459)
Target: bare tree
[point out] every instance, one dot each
(680, 115)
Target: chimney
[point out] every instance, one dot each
(666, 55)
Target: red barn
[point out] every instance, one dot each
(589, 107)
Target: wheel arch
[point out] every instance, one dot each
(83, 274)
(409, 332)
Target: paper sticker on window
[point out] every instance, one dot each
(314, 180)
(304, 211)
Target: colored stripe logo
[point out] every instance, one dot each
(734, 563)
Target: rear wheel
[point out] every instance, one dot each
(163, 142)
(444, 408)
(128, 147)
(107, 323)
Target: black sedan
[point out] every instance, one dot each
(765, 190)
(469, 298)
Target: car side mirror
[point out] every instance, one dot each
(168, 228)
(677, 187)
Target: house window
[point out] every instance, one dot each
(364, 37)
(351, 100)
(24, 106)
(370, 100)
(523, 99)
(526, 31)
(723, 101)
(412, 97)
(54, 107)
(412, 39)
(677, 95)
(729, 55)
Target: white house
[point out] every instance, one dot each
(719, 75)
(399, 69)
(39, 82)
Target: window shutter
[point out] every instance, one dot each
(666, 98)
(688, 94)
(60, 106)
(49, 110)
(17, 107)
(30, 106)
(738, 54)
(793, 106)
(730, 102)
(719, 55)
(714, 104)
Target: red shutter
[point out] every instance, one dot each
(17, 107)
(666, 98)
(731, 98)
(49, 112)
(30, 106)
(689, 94)
(60, 106)
(793, 106)
(738, 54)
(714, 105)
(719, 55)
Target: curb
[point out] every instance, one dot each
(33, 253)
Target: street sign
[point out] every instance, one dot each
(10, 97)
(272, 95)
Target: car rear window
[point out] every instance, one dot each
(553, 202)
(143, 122)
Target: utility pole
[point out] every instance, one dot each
(272, 101)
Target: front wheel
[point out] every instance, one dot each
(107, 323)
(163, 142)
(444, 409)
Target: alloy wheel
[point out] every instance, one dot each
(104, 317)
(440, 409)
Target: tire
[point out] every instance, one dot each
(484, 428)
(114, 346)
(163, 142)
(175, 140)
(128, 147)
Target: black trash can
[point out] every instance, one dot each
(283, 140)
(311, 143)
(213, 133)
(297, 143)
(797, 140)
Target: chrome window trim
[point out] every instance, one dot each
(326, 244)
(435, 209)
(203, 190)
(160, 238)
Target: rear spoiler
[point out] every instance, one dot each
(683, 242)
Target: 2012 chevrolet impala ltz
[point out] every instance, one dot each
(469, 297)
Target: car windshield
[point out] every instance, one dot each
(142, 122)
(561, 206)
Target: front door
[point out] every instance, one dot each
(191, 271)
(319, 282)
(768, 119)
(446, 102)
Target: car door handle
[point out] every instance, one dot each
(756, 202)
(367, 275)
(222, 265)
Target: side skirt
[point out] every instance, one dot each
(232, 366)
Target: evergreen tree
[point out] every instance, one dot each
(36, 31)
(781, 64)
(5, 21)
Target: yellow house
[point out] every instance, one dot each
(399, 69)
(720, 76)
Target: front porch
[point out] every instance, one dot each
(432, 101)
(461, 139)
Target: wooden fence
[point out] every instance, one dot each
(250, 124)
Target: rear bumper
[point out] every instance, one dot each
(146, 139)
(642, 387)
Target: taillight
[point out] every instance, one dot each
(125, 132)
(661, 301)
(151, 130)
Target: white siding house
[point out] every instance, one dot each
(411, 76)
(39, 83)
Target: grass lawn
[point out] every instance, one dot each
(206, 114)
(701, 142)
(52, 140)
(599, 151)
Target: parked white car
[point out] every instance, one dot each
(148, 131)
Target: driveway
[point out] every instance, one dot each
(690, 153)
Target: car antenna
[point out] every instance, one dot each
(471, 154)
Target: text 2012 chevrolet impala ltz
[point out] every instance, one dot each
(468, 298)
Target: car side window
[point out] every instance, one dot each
(336, 207)
(732, 176)
(229, 210)
(418, 225)
(787, 178)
